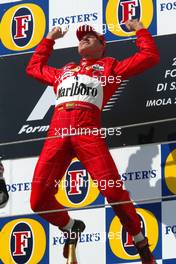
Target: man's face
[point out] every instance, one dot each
(89, 45)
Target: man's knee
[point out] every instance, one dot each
(41, 197)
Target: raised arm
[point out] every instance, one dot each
(37, 66)
(145, 58)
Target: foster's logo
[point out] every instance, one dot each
(76, 189)
(121, 248)
(119, 11)
(168, 156)
(21, 243)
(78, 183)
(23, 240)
(22, 26)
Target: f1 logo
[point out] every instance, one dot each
(128, 10)
(21, 242)
(22, 25)
(76, 181)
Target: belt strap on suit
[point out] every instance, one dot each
(74, 105)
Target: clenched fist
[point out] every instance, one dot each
(134, 25)
(56, 33)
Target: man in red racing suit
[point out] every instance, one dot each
(80, 97)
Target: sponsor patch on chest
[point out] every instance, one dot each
(80, 88)
(98, 67)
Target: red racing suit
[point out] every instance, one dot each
(81, 93)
